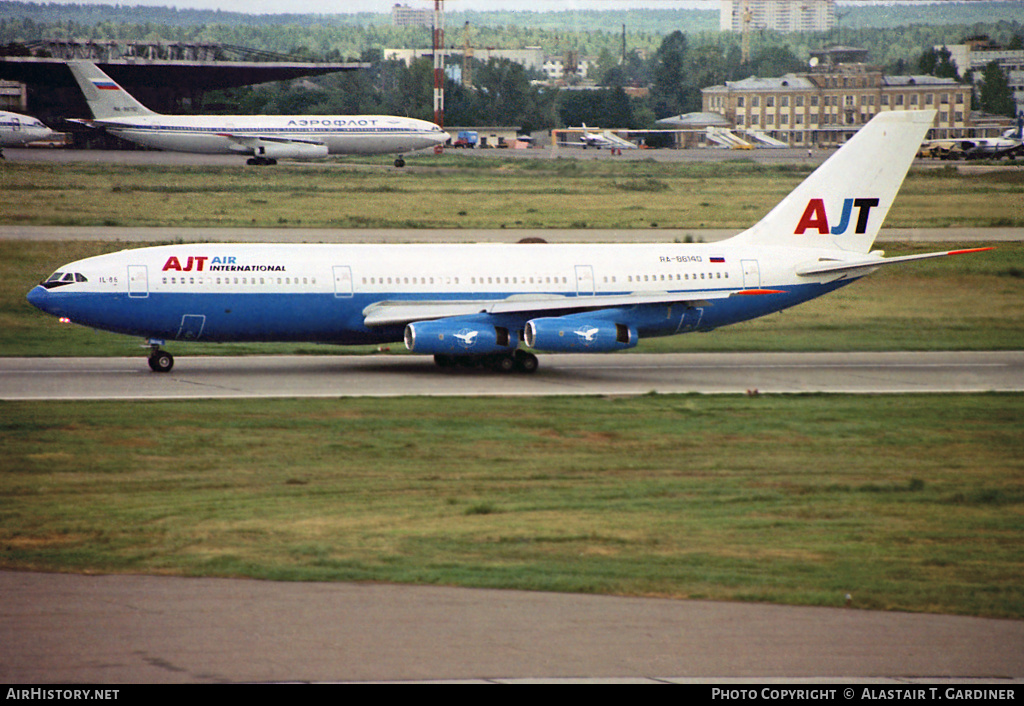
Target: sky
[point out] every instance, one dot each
(331, 7)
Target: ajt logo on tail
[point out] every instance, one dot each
(815, 216)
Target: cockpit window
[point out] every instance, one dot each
(59, 279)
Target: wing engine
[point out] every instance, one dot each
(462, 335)
(566, 334)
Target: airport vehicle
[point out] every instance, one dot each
(476, 303)
(17, 130)
(467, 138)
(265, 138)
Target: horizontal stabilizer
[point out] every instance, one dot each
(830, 266)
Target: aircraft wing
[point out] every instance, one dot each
(829, 266)
(391, 313)
(254, 143)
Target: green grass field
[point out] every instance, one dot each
(468, 192)
(906, 502)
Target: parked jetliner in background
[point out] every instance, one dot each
(17, 130)
(477, 303)
(266, 138)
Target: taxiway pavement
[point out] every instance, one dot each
(63, 629)
(575, 374)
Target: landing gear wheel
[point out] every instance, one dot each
(161, 361)
(503, 363)
(399, 162)
(526, 362)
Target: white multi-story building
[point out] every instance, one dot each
(405, 16)
(778, 15)
(978, 52)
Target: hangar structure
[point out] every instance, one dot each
(168, 77)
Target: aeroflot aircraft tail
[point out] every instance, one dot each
(105, 97)
(476, 304)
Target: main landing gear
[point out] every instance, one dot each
(160, 361)
(399, 162)
(518, 361)
(260, 161)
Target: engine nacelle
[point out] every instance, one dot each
(569, 334)
(290, 150)
(453, 337)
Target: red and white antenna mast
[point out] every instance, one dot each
(439, 62)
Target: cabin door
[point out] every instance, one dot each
(138, 281)
(342, 281)
(584, 280)
(751, 275)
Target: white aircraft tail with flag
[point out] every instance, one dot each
(105, 97)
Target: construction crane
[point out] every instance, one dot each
(745, 20)
(467, 56)
(439, 62)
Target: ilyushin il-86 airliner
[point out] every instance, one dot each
(265, 138)
(478, 303)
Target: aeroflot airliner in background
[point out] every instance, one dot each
(17, 129)
(266, 138)
(478, 303)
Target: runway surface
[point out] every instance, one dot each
(60, 628)
(613, 374)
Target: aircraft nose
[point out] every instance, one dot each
(42, 299)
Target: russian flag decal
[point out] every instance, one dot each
(715, 258)
(105, 85)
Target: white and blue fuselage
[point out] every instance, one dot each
(351, 294)
(480, 302)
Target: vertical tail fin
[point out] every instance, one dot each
(843, 203)
(105, 97)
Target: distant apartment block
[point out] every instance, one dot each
(405, 16)
(778, 15)
(978, 52)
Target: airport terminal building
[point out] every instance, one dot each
(827, 107)
(840, 94)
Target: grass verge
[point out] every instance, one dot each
(460, 192)
(906, 502)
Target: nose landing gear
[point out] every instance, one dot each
(160, 361)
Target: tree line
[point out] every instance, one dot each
(672, 63)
